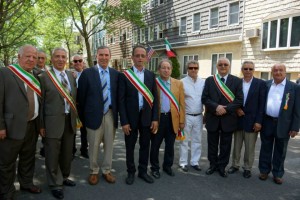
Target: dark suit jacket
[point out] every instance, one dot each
(212, 97)
(13, 105)
(90, 97)
(129, 102)
(52, 110)
(254, 106)
(289, 119)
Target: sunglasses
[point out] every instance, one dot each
(248, 69)
(193, 68)
(75, 61)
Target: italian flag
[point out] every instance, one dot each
(170, 53)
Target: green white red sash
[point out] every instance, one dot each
(141, 87)
(168, 93)
(27, 78)
(223, 88)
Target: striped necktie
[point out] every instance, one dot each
(104, 91)
(64, 82)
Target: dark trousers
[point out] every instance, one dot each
(165, 131)
(144, 141)
(272, 150)
(10, 150)
(214, 139)
(83, 138)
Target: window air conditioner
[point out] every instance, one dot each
(252, 33)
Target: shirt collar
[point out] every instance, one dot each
(101, 69)
(249, 81)
(135, 70)
(57, 72)
(282, 83)
(191, 79)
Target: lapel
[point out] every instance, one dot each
(71, 81)
(97, 78)
(286, 90)
(251, 90)
(20, 84)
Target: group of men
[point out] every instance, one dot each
(51, 102)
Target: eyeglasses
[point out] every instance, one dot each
(248, 69)
(75, 61)
(193, 68)
(41, 58)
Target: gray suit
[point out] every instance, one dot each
(21, 134)
(60, 129)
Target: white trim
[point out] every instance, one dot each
(151, 33)
(185, 25)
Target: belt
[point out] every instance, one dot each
(194, 114)
(165, 113)
(275, 119)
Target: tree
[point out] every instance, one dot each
(176, 67)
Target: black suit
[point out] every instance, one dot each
(221, 127)
(139, 121)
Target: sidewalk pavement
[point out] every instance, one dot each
(192, 185)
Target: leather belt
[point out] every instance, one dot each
(275, 119)
(194, 114)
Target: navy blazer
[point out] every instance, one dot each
(212, 97)
(254, 106)
(288, 119)
(90, 97)
(129, 102)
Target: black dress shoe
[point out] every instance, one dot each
(68, 182)
(130, 179)
(223, 173)
(59, 194)
(184, 168)
(146, 177)
(232, 170)
(155, 174)
(169, 171)
(196, 167)
(211, 170)
(247, 174)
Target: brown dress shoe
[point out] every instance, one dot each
(263, 177)
(93, 179)
(33, 189)
(109, 178)
(277, 180)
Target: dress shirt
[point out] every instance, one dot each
(165, 101)
(77, 77)
(275, 98)
(140, 75)
(106, 74)
(246, 87)
(192, 94)
(57, 74)
(225, 77)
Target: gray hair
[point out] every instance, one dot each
(77, 55)
(21, 50)
(195, 62)
(104, 47)
(59, 49)
(224, 58)
(164, 60)
(247, 62)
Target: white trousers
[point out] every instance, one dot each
(193, 132)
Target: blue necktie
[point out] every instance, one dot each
(104, 91)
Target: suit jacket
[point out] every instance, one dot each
(288, 119)
(254, 106)
(52, 110)
(13, 105)
(212, 97)
(178, 92)
(90, 97)
(129, 102)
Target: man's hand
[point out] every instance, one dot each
(2, 134)
(221, 110)
(42, 132)
(240, 112)
(257, 127)
(181, 126)
(126, 129)
(293, 133)
(154, 127)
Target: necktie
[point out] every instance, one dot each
(30, 97)
(65, 84)
(104, 91)
(223, 80)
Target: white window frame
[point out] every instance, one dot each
(160, 30)
(193, 28)
(151, 33)
(142, 35)
(135, 36)
(183, 25)
(219, 55)
(289, 34)
(210, 11)
(228, 18)
(189, 57)
(160, 3)
(153, 64)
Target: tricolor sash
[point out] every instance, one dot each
(223, 88)
(168, 93)
(27, 78)
(141, 87)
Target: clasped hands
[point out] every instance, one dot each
(221, 110)
(154, 126)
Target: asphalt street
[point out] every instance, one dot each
(192, 185)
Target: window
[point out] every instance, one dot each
(128, 31)
(234, 11)
(122, 35)
(160, 30)
(214, 60)
(214, 18)
(150, 33)
(153, 64)
(161, 1)
(281, 33)
(152, 3)
(196, 22)
(142, 35)
(182, 29)
(135, 36)
(186, 59)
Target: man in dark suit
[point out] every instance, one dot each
(19, 121)
(98, 110)
(250, 119)
(138, 112)
(58, 118)
(281, 121)
(222, 95)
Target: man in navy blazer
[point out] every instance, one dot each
(250, 119)
(281, 121)
(98, 110)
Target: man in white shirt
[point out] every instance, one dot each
(193, 87)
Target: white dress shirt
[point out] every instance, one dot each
(57, 74)
(140, 75)
(275, 98)
(246, 87)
